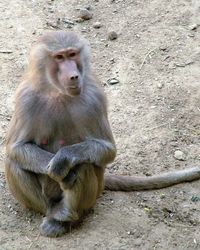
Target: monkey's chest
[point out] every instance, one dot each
(64, 131)
(67, 125)
(59, 138)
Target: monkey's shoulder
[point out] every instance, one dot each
(95, 98)
(28, 103)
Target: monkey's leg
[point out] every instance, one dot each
(58, 209)
(80, 191)
(80, 197)
(99, 172)
(76, 200)
(66, 209)
(53, 225)
(52, 193)
(25, 187)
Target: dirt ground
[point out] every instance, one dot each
(154, 110)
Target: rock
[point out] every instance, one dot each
(112, 35)
(112, 81)
(112, 60)
(85, 14)
(172, 65)
(79, 20)
(130, 232)
(160, 85)
(97, 25)
(195, 198)
(2, 184)
(191, 35)
(67, 21)
(179, 155)
(162, 196)
(193, 26)
(164, 48)
(87, 7)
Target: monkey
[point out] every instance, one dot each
(59, 141)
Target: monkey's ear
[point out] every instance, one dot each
(85, 55)
(40, 51)
(86, 47)
(38, 55)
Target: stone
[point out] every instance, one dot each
(179, 155)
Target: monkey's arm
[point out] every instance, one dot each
(98, 149)
(30, 157)
(93, 150)
(19, 146)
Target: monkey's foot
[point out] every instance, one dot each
(53, 228)
(64, 214)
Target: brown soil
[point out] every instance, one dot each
(154, 110)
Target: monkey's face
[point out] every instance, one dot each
(65, 71)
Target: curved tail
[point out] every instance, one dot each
(133, 183)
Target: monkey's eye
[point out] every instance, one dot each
(72, 54)
(59, 57)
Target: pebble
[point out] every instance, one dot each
(112, 81)
(97, 25)
(164, 48)
(79, 20)
(191, 35)
(147, 210)
(160, 85)
(2, 185)
(193, 26)
(87, 7)
(85, 14)
(195, 198)
(112, 35)
(179, 155)
(68, 21)
(172, 65)
(162, 196)
(130, 233)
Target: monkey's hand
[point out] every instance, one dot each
(59, 167)
(63, 161)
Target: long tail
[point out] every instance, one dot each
(133, 183)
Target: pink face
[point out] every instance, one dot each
(67, 67)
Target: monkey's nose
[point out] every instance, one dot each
(74, 77)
